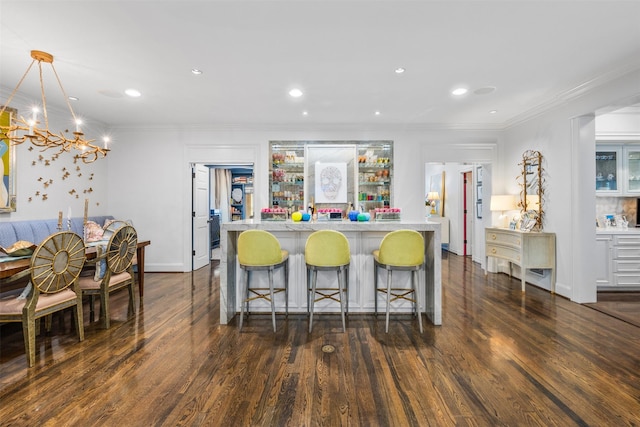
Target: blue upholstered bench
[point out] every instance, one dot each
(35, 231)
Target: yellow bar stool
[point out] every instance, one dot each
(327, 250)
(400, 250)
(259, 250)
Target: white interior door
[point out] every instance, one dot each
(200, 223)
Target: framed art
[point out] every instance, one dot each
(479, 175)
(8, 164)
(479, 209)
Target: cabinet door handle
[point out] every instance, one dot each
(518, 242)
(493, 237)
(493, 250)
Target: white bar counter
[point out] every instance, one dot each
(364, 237)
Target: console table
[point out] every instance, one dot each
(526, 249)
(363, 238)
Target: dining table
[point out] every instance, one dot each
(10, 266)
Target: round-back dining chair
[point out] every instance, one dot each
(114, 270)
(53, 273)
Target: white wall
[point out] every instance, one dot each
(568, 146)
(47, 184)
(156, 166)
(149, 180)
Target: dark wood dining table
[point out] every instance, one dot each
(12, 267)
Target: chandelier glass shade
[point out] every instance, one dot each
(38, 134)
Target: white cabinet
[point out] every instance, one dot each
(526, 249)
(631, 164)
(618, 266)
(604, 272)
(444, 227)
(618, 169)
(608, 169)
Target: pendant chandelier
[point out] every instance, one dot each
(20, 129)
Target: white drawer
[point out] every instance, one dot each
(626, 252)
(622, 279)
(626, 240)
(626, 266)
(512, 239)
(503, 252)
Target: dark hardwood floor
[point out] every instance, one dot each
(501, 358)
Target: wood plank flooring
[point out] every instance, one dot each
(501, 358)
(622, 305)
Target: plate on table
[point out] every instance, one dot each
(19, 248)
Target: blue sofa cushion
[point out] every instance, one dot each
(35, 231)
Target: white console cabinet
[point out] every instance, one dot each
(526, 249)
(618, 265)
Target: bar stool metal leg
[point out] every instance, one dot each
(314, 278)
(341, 290)
(416, 296)
(272, 298)
(386, 328)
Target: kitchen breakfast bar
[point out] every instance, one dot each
(364, 237)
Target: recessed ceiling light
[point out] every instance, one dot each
(133, 93)
(484, 90)
(493, 111)
(459, 91)
(400, 70)
(73, 98)
(295, 93)
(196, 71)
(305, 113)
(377, 113)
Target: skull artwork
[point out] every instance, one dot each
(330, 182)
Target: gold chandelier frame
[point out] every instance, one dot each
(20, 129)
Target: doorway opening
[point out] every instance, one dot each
(221, 193)
(231, 198)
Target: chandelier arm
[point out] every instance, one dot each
(44, 99)
(4, 107)
(43, 137)
(64, 93)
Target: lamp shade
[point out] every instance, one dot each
(433, 195)
(503, 203)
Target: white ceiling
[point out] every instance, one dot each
(342, 54)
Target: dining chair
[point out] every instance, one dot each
(259, 250)
(111, 227)
(53, 274)
(114, 270)
(327, 250)
(399, 250)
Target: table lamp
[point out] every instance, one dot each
(432, 197)
(503, 203)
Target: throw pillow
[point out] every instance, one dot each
(93, 231)
(101, 266)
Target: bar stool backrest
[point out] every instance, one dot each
(327, 248)
(258, 248)
(402, 248)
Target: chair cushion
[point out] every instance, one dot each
(12, 305)
(87, 282)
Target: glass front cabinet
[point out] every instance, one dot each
(618, 169)
(632, 161)
(608, 169)
(331, 174)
